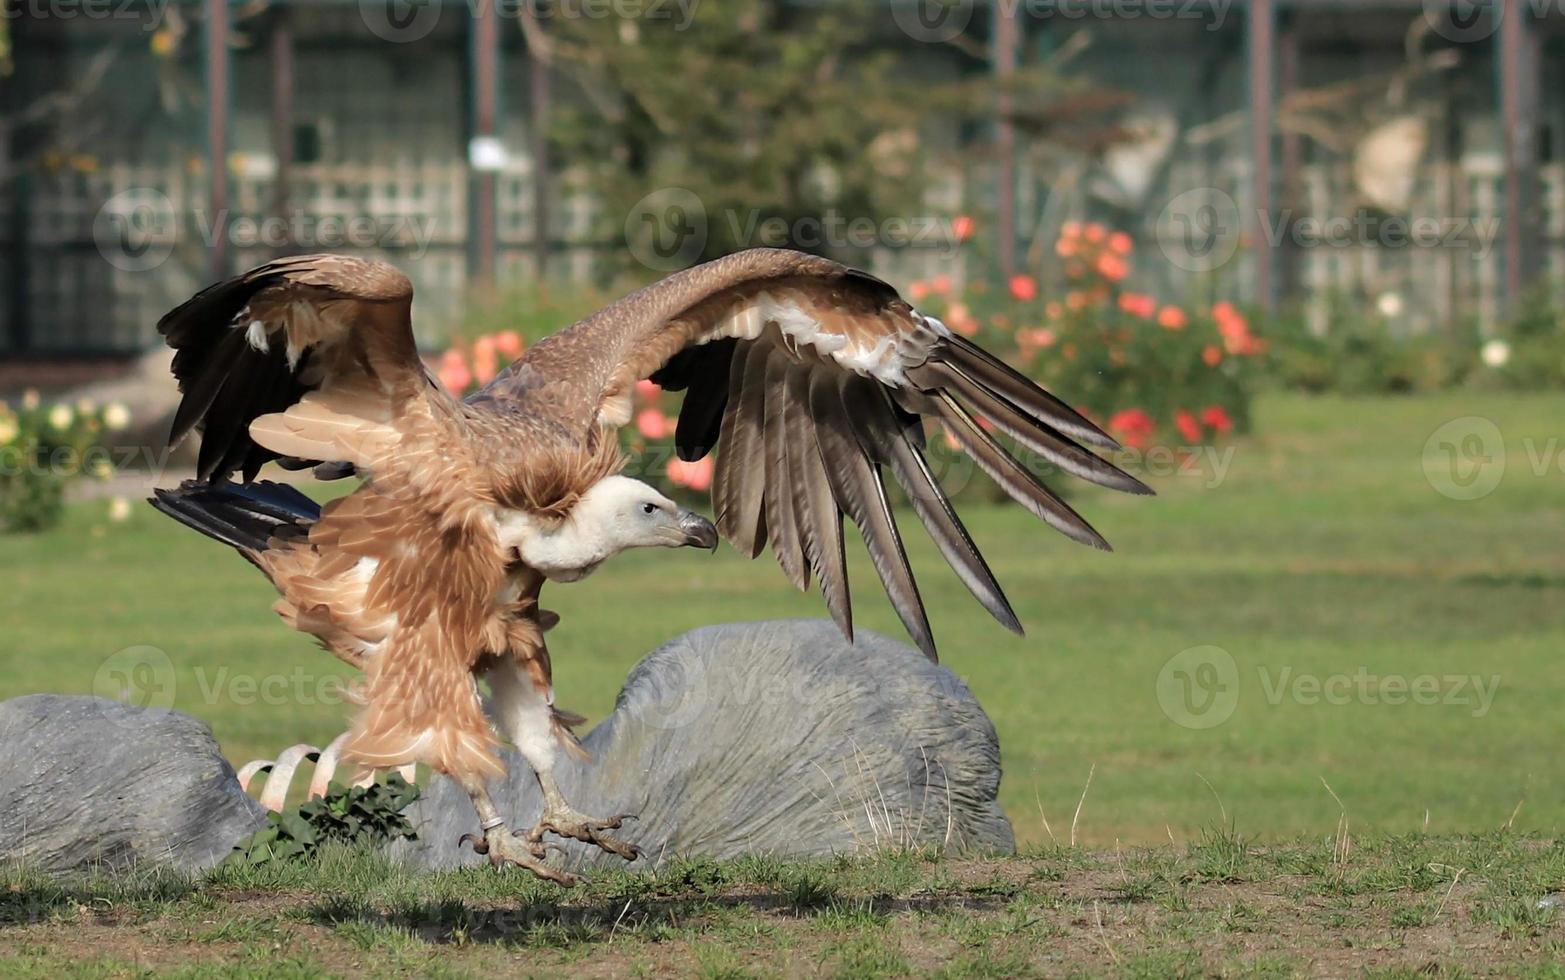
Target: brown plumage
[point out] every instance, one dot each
(811, 381)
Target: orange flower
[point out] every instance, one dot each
(941, 285)
(1024, 287)
(486, 362)
(508, 343)
(453, 371)
(648, 391)
(962, 227)
(1120, 243)
(1138, 304)
(1112, 267)
(1172, 318)
(917, 290)
(652, 423)
(1095, 233)
(1034, 339)
(1052, 309)
(960, 319)
(696, 476)
(1065, 247)
(1075, 300)
(1187, 426)
(1070, 229)
(1217, 419)
(1212, 356)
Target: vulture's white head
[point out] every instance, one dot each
(615, 514)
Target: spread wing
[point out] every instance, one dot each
(813, 382)
(309, 356)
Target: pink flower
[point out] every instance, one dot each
(1023, 287)
(1120, 243)
(1138, 304)
(1112, 267)
(453, 372)
(1094, 233)
(652, 423)
(1065, 247)
(1053, 310)
(695, 476)
(509, 343)
(941, 285)
(962, 227)
(486, 363)
(648, 391)
(1172, 318)
(1075, 300)
(1211, 355)
(1188, 426)
(1217, 419)
(917, 290)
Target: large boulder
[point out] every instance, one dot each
(91, 783)
(775, 737)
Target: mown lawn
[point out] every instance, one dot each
(1407, 906)
(1319, 560)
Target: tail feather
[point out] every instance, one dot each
(245, 517)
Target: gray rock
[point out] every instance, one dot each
(91, 783)
(776, 738)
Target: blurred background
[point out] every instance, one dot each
(1305, 259)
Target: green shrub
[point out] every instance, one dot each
(43, 449)
(361, 814)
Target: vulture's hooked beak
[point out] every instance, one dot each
(699, 532)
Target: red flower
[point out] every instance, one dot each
(1172, 317)
(1112, 267)
(1216, 419)
(1120, 242)
(962, 227)
(508, 343)
(1095, 233)
(1133, 427)
(1024, 287)
(1187, 426)
(1212, 356)
(1138, 304)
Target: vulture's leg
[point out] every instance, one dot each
(505, 846)
(525, 715)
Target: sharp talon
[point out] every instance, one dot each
(480, 846)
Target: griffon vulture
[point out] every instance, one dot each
(810, 379)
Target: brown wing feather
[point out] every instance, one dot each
(768, 343)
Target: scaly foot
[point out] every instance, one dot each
(503, 847)
(567, 822)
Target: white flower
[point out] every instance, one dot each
(119, 510)
(30, 399)
(1389, 304)
(86, 406)
(116, 417)
(61, 417)
(8, 429)
(1495, 353)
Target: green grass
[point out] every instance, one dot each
(1322, 551)
(1393, 906)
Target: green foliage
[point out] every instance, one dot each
(1360, 353)
(359, 814)
(45, 448)
(765, 112)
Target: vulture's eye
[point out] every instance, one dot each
(648, 508)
